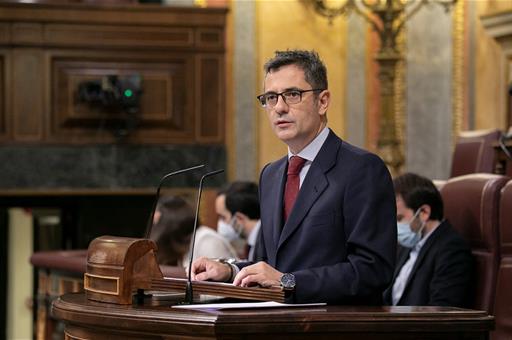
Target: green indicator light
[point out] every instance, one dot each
(128, 93)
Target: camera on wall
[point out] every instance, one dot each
(117, 98)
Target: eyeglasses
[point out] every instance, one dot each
(270, 99)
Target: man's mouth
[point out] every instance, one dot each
(282, 123)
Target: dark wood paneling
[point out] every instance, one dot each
(209, 37)
(86, 319)
(165, 105)
(28, 100)
(178, 52)
(210, 99)
(3, 103)
(4, 33)
(141, 15)
(118, 36)
(27, 33)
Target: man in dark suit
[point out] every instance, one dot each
(435, 264)
(328, 227)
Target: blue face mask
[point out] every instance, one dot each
(406, 236)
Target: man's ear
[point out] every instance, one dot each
(324, 99)
(241, 218)
(425, 212)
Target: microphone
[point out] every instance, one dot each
(149, 226)
(189, 296)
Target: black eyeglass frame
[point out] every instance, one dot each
(261, 96)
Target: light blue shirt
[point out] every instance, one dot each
(309, 152)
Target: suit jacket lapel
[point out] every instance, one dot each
(424, 251)
(278, 184)
(312, 187)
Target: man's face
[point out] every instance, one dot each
(295, 124)
(223, 214)
(405, 214)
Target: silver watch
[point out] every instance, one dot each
(288, 281)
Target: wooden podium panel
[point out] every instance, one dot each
(86, 319)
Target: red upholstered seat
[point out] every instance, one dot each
(471, 205)
(503, 300)
(474, 152)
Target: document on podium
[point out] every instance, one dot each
(242, 305)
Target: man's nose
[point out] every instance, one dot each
(281, 106)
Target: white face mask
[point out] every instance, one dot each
(406, 236)
(227, 230)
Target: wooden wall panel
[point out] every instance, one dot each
(166, 110)
(179, 54)
(3, 96)
(118, 36)
(28, 95)
(210, 89)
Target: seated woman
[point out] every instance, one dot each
(173, 225)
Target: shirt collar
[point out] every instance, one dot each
(425, 238)
(253, 235)
(312, 149)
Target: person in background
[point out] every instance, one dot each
(238, 209)
(435, 265)
(172, 232)
(328, 221)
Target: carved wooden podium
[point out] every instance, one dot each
(87, 319)
(119, 267)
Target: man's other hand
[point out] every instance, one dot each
(207, 269)
(259, 273)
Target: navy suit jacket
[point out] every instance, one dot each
(442, 274)
(340, 238)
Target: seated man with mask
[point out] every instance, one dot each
(434, 265)
(237, 206)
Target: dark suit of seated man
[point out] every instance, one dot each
(434, 265)
(328, 222)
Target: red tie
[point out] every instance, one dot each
(291, 191)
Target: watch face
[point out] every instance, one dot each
(288, 280)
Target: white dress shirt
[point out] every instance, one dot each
(309, 152)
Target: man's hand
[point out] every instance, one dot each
(260, 273)
(206, 269)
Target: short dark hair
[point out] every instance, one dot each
(242, 196)
(314, 69)
(416, 191)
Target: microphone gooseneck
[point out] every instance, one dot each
(149, 225)
(189, 298)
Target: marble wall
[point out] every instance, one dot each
(107, 166)
(428, 97)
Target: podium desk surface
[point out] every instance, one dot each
(85, 319)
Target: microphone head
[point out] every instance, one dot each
(211, 173)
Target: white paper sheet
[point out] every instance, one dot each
(269, 304)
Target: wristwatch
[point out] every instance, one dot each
(231, 264)
(288, 281)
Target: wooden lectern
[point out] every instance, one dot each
(119, 267)
(87, 319)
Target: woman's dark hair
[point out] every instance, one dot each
(173, 229)
(416, 191)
